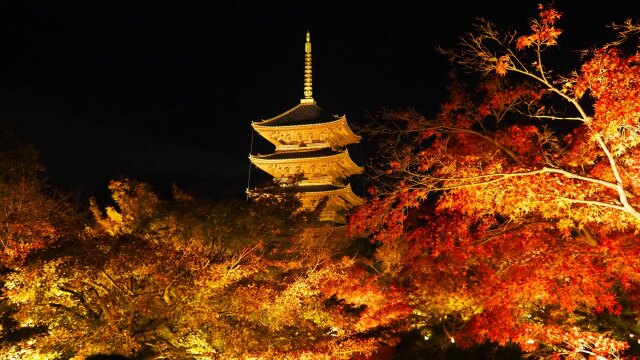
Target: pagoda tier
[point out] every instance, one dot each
(306, 126)
(318, 166)
(310, 146)
(339, 199)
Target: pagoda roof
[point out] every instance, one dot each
(291, 155)
(317, 188)
(301, 114)
(305, 189)
(343, 191)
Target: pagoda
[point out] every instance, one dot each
(310, 149)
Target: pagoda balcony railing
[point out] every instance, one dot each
(303, 146)
(325, 180)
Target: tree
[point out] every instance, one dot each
(513, 215)
(33, 218)
(184, 278)
(32, 215)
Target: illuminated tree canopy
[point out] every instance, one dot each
(185, 279)
(510, 218)
(513, 214)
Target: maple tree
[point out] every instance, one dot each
(513, 215)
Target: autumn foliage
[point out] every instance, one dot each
(509, 218)
(513, 215)
(183, 278)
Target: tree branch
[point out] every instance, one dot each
(595, 203)
(504, 176)
(620, 186)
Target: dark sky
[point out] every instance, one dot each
(165, 91)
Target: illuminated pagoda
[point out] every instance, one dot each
(310, 147)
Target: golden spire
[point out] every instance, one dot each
(308, 89)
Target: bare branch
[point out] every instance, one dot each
(625, 31)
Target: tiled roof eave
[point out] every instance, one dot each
(257, 125)
(343, 189)
(345, 192)
(284, 113)
(263, 159)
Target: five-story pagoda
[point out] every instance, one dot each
(310, 148)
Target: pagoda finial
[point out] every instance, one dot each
(308, 84)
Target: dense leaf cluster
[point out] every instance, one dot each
(184, 278)
(513, 215)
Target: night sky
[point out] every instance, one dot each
(165, 91)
